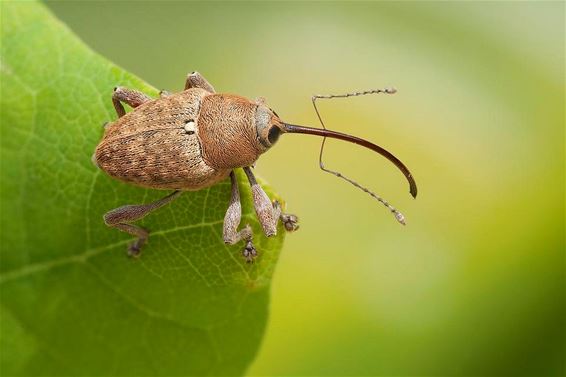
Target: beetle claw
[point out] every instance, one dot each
(249, 252)
(134, 249)
(291, 222)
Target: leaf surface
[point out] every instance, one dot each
(72, 303)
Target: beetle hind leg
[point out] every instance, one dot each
(134, 248)
(121, 217)
(232, 219)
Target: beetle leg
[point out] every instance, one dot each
(196, 80)
(263, 207)
(121, 218)
(269, 213)
(232, 221)
(164, 93)
(131, 97)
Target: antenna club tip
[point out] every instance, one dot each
(399, 216)
(390, 90)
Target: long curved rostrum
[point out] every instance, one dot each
(293, 128)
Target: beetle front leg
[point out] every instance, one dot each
(196, 80)
(269, 213)
(121, 218)
(232, 221)
(290, 221)
(131, 97)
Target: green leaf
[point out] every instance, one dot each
(72, 302)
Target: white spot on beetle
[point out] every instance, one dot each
(190, 127)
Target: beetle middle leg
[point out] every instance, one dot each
(131, 97)
(232, 221)
(121, 218)
(268, 212)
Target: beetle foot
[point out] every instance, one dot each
(291, 222)
(134, 249)
(249, 252)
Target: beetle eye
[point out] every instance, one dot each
(273, 135)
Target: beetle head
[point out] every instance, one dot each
(268, 127)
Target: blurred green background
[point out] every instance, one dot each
(475, 283)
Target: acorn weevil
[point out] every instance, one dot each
(191, 140)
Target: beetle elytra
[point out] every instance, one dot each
(191, 140)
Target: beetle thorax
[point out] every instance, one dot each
(227, 131)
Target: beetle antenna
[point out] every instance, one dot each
(324, 132)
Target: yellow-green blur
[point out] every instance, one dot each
(474, 284)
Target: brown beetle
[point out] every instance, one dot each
(194, 139)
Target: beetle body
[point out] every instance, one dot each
(185, 141)
(192, 140)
